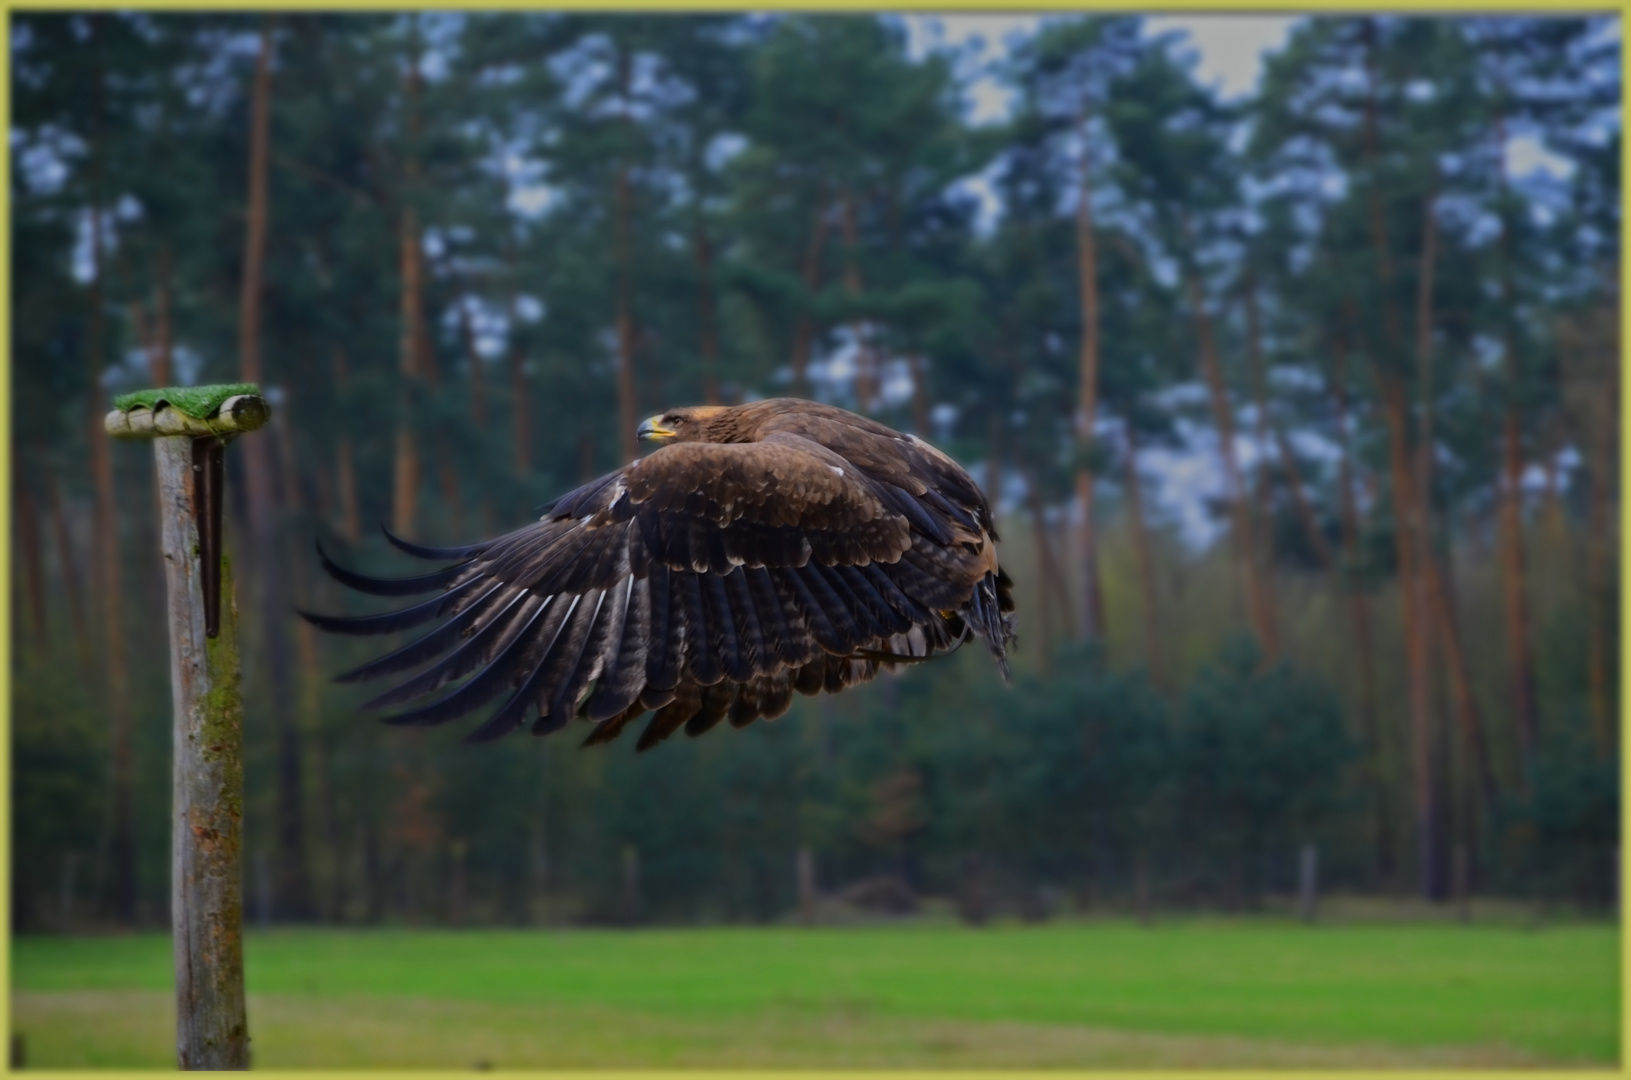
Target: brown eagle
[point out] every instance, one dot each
(770, 547)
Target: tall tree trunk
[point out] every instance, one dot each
(586, 458)
(1359, 607)
(1144, 549)
(1514, 593)
(1603, 434)
(110, 584)
(1047, 578)
(993, 461)
(256, 222)
(628, 406)
(344, 467)
(472, 357)
(263, 503)
(307, 719)
(1438, 615)
(478, 387)
(431, 376)
(920, 393)
(292, 877)
(406, 467)
(1414, 599)
(311, 709)
(144, 337)
(520, 394)
(68, 566)
(707, 312)
(1087, 406)
(121, 896)
(1476, 747)
(1554, 519)
(156, 341)
(1438, 582)
(866, 363)
(1303, 506)
(1263, 551)
(1257, 603)
(804, 326)
(1408, 515)
(405, 470)
(163, 363)
(29, 566)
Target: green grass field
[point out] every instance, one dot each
(1197, 993)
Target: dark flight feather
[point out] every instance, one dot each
(774, 548)
(411, 586)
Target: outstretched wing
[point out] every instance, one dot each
(703, 581)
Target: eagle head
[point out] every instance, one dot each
(695, 423)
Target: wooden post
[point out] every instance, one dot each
(1461, 882)
(804, 868)
(1307, 882)
(631, 884)
(1141, 887)
(189, 429)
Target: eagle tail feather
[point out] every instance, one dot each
(989, 622)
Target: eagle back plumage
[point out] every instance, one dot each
(785, 546)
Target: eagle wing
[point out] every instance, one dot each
(703, 581)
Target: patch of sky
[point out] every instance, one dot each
(1228, 50)
(1527, 155)
(725, 146)
(530, 196)
(1466, 214)
(979, 44)
(1184, 481)
(433, 243)
(187, 364)
(1182, 395)
(832, 370)
(895, 381)
(439, 31)
(1314, 445)
(1487, 351)
(529, 308)
(580, 69)
(130, 372)
(1288, 378)
(982, 188)
(43, 164)
(1301, 256)
(83, 264)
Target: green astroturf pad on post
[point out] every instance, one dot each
(199, 402)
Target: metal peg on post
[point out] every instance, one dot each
(190, 428)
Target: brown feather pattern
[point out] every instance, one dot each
(774, 548)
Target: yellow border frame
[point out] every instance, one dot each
(1166, 7)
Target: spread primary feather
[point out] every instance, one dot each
(773, 547)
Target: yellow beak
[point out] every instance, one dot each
(651, 429)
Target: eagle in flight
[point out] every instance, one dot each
(764, 548)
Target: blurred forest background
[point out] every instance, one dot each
(1299, 409)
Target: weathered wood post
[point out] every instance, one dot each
(804, 868)
(631, 884)
(1308, 863)
(190, 428)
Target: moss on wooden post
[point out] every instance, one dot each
(189, 427)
